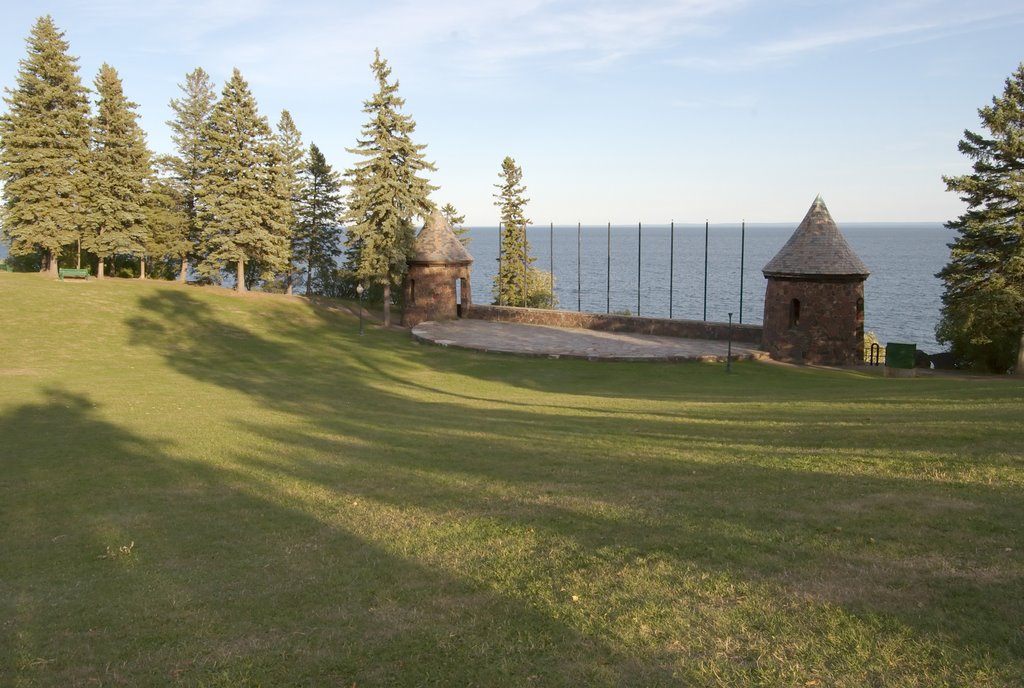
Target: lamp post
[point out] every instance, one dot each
(360, 290)
(728, 355)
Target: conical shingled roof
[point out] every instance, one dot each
(437, 244)
(817, 248)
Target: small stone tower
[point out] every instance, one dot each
(437, 284)
(814, 304)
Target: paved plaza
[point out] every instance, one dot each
(556, 342)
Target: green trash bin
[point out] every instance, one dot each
(900, 358)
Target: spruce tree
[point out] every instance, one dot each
(319, 232)
(44, 148)
(289, 138)
(189, 135)
(119, 172)
(386, 192)
(983, 303)
(244, 198)
(512, 280)
(457, 223)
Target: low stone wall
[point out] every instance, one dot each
(686, 329)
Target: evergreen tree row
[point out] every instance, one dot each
(235, 195)
(235, 199)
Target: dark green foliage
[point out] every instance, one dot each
(244, 200)
(386, 192)
(189, 134)
(25, 262)
(342, 283)
(317, 241)
(119, 172)
(457, 223)
(44, 148)
(511, 284)
(983, 304)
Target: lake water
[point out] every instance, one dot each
(902, 295)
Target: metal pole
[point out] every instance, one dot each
(705, 270)
(728, 355)
(671, 264)
(551, 252)
(524, 265)
(501, 287)
(361, 291)
(579, 271)
(608, 293)
(639, 252)
(743, 243)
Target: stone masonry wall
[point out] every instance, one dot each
(830, 329)
(688, 329)
(429, 293)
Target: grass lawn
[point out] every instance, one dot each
(198, 489)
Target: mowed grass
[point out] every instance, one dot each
(198, 489)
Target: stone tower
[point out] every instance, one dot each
(814, 304)
(437, 284)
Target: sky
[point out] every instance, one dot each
(646, 110)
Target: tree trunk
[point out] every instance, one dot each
(240, 276)
(184, 270)
(387, 304)
(290, 279)
(99, 268)
(49, 264)
(1019, 370)
(78, 244)
(142, 268)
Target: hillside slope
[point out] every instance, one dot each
(202, 489)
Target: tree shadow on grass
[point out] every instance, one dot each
(326, 369)
(126, 565)
(705, 491)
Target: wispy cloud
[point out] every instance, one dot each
(882, 26)
(593, 36)
(176, 25)
(306, 42)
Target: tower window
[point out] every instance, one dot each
(794, 313)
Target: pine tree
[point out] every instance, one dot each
(983, 302)
(289, 138)
(244, 198)
(386, 192)
(189, 134)
(44, 148)
(457, 223)
(512, 281)
(119, 171)
(319, 233)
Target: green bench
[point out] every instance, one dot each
(72, 272)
